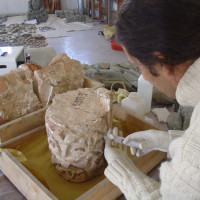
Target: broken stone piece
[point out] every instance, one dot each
(63, 74)
(16, 95)
(161, 113)
(174, 121)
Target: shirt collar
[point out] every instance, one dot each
(188, 89)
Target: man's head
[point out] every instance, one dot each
(160, 34)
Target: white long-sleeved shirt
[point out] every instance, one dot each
(180, 177)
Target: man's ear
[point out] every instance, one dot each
(159, 55)
(165, 68)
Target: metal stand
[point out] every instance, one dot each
(92, 10)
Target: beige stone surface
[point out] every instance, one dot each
(61, 75)
(16, 95)
(76, 123)
(30, 66)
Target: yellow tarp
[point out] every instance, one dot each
(108, 31)
(35, 156)
(39, 164)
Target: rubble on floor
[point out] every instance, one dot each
(3, 19)
(70, 15)
(107, 73)
(21, 35)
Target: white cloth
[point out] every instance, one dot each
(180, 177)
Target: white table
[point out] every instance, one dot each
(14, 55)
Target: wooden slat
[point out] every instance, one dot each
(16, 141)
(90, 83)
(104, 190)
(26, 183)
(149, 161)
(119, 113)
(21, 125)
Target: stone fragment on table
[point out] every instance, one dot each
(174, 121)
(161, 113)
(186, 113)
(16, 95)
(61, 75)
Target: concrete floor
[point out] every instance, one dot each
(88, 47)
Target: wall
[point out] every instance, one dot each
(69, 4)
(73, 4)
(13, 7)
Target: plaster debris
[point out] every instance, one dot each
(21, 35)
(70, 15)
(161, 113)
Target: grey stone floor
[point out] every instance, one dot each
(88, 47)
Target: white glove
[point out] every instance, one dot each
(112, 150)
(148, 141)
(122, 172)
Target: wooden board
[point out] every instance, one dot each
(31, 188)
(26, 183)
(89, 83)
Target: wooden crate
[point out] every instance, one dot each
(34, 119)
(25, 128)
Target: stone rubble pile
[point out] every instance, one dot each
(46, 28)
(3, 19)
(70, 15)
(180, 120)
(21, 35)
(108, 73)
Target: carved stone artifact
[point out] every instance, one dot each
(76, 123)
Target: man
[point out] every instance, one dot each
(162, 38)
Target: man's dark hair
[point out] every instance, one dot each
(171, 27)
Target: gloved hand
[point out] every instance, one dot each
(123, 173)
(112, 150)
(148, 141)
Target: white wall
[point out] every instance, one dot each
(12, 7)
(69, 4)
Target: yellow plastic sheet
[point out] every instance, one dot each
(35, 156)
(108, 31)
(39, 164)
(17, 154)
